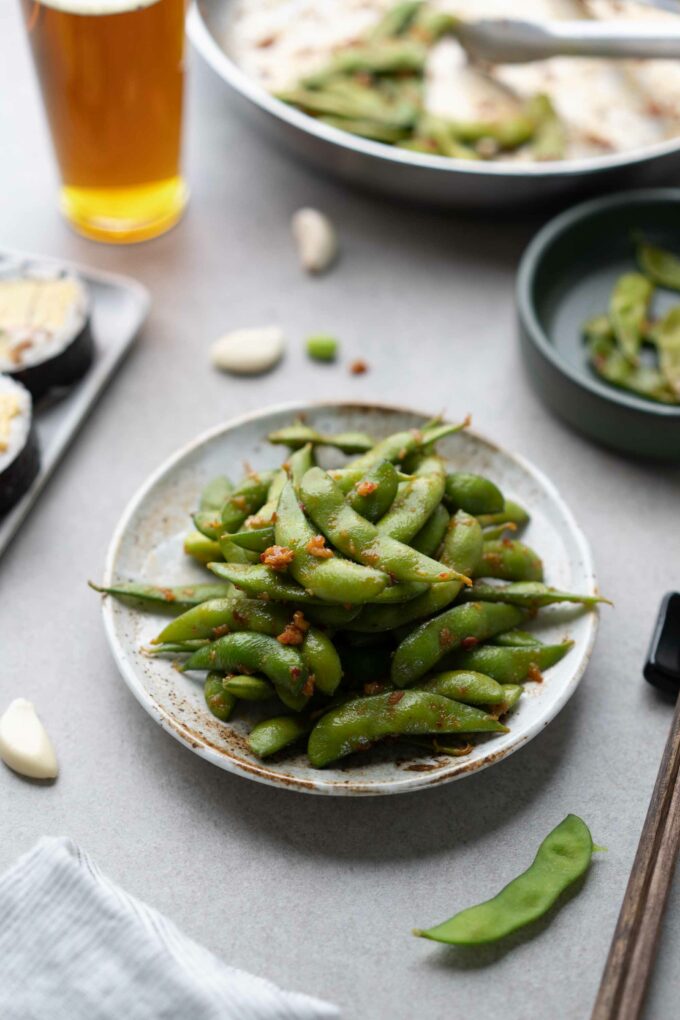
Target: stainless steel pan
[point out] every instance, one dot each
(412, 175)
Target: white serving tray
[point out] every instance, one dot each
(119, 307)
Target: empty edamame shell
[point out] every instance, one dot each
(248, 351)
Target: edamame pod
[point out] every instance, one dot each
(509, 665)
(395, 448)
(254, 539)
(415, 501)
(373, 495)
(516, 639)
(221, 616)
(512, 513)
(209, 523)
(201, 548)
(628, 309)
(357, 724)
(431, 641)
(257, 653)
(264, 518)
(511, 695)
(273, 735)
(322, 661)
(335, 579)
(260, 581)
(509, 560)
(299, 434)
(474, 494)
(431, 535)
(662, 267)
(461, 550)
(234, 553)
(215, 494)
(562, 858)
(179, 597)
(248, 688)
(465, 685)
(361, 540)
(529, 594)
(246, 499)
(219, 701)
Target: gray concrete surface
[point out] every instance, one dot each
(321, 895)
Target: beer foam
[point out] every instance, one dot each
(97, 7)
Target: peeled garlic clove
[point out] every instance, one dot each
(316, 239)
(248, 351)
(24, 743)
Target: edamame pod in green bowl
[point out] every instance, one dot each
(147, 550)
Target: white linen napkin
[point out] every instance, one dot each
(74, 946)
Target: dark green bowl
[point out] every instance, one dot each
(565, 277)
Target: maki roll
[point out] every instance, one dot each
(45, 336)
(19, 457)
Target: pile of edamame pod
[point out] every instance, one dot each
(375, 88)
(383, 599)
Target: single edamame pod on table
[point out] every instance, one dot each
(357, 724)
(336, 579)
(360, 540)
(221, 616)
(257, 653)
(431, 641)
(373, 495)
(324, 347)
(509, 560)
(474, 494)
(562, 858)
(215, 494)
(509, 665)
(177, 597)
(220, 702)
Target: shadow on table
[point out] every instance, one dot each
(412, 825)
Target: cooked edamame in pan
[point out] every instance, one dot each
(382, 600)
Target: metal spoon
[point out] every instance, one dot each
(510, 41)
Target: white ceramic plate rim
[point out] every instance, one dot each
(261, 772)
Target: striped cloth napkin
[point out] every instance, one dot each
(74, 946)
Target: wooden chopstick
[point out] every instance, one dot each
(631, 956)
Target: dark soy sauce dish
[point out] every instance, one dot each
(566, 278)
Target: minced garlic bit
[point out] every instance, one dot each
(278, 557)
(317, 547)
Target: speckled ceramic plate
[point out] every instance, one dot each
(147, 546)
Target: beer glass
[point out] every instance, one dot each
(111, 75)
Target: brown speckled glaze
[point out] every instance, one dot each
(147, 545)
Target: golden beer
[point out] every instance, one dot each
(111, 75)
